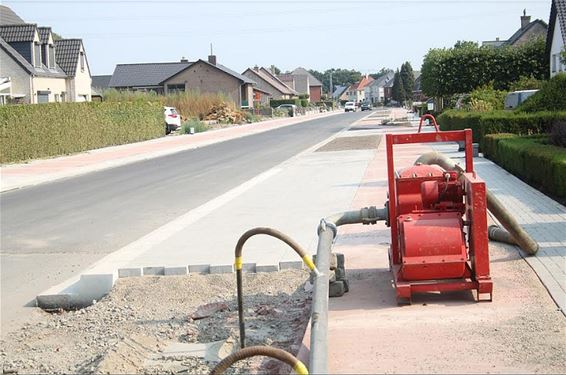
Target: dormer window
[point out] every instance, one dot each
(51, 56)
(37, 55)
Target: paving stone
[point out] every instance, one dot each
(267, 268)
(199, 268)
(154, 271)
(249, 267)
(221, 268)
(291, 265)
(176, 271)
(129, 272)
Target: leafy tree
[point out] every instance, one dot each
(275, 69)
(343, 77)
(408, 78)
(467, 66)
(398, 91)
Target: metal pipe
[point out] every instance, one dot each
(327, 230)
(238, 264)
(267, 351)
(522, 238)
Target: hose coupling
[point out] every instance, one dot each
(325, 225)
(369, 215)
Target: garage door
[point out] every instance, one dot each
(43, 96)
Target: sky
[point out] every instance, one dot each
(315, 34)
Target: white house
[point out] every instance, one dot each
(37, 68)
(556, 38)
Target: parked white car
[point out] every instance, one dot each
(350, 106)
(172, 119)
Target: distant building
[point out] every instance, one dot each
(375, 90)
(528, 31)
(556, 39)
(269, 83)
(304, 83)
(356, 92)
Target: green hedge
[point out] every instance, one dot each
(44, 130)
(532, 159)
(277, 102)
(483, 123)
(551, 97)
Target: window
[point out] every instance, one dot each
(37, 54)
(51, 56)
(82, 57)
(172, 88)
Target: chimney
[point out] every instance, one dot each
(212, 59)
(184, 59)
(525, 20)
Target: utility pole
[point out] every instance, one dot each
(331, 91)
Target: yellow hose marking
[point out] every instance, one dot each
(308, 261)
(238, 263)
(300, 368)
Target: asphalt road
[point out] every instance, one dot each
(52, 231)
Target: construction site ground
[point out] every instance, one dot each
(150, 325)
(523, 330)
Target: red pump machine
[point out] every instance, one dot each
(438, 220)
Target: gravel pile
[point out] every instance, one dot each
(128, 330)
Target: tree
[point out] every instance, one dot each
(342, 77)
(275, 69)
(398, 91)
(408, 79)
(467, 66)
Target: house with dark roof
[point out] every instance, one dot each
(146, 76)
(528, 31)
(303, 82)
(556, 38)
(208, 76)
(38, 68)
(269, 83)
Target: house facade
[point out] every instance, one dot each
(147, 77)
(356, 92)
(556, 39)
(375, 90)
(32, 69)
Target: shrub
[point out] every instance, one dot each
(526, 83)
(551, 97)
(304, 103)
(304, 96)
(43, 130)
(188, 104)
(486, 98)
(532, 159)
(499, 122)
(197, 125)
(274, 103)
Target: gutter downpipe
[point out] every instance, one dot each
(515, 231)
(327, 230)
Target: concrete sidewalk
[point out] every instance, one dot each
(15, 176)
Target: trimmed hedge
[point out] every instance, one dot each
(44, 130)
(483, 123)
(277, 102)
(532, 159)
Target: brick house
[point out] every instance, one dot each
(269, 83)
(211, 77)
(303, 82)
